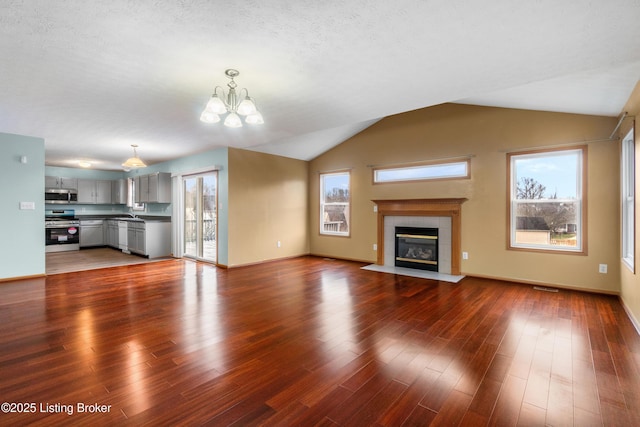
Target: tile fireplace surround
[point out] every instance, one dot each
(443, 213)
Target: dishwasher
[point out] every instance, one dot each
(91, 233)
(123, 244)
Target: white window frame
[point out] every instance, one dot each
(428, 171)
(628, 177)
(131, 196)
(581, 209)
(328, 229)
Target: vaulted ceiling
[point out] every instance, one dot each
(92, 78)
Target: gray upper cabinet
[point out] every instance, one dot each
(142, 189)
(91, 191)
(119, 192)
(153, 188)
(103, 192)
(60, 182)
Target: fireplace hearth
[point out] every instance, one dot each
(416, 247)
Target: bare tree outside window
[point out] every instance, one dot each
(556, 216)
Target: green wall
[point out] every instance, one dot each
(22, 248)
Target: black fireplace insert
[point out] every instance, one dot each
(417, 247)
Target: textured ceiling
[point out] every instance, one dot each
(92, 78)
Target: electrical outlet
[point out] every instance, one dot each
(602, 268)
(375, 246)
(465, 255)
(278, 243)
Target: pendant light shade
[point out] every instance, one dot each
(135, 161)
(247, 107)
(215, 105)
(209, 117)
(254, 119)
(233, 121)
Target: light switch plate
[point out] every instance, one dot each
(27, 206)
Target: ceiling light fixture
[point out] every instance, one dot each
(134, 162)
(228, 103)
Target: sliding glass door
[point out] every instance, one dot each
(200, 216)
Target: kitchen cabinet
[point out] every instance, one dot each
(60, 182)
(157, 239)
(153, 188)
(151, 239)
(91, 233)
(111, 233)
(136, 237)
(93, 191)
(142, 188)
(119, 192)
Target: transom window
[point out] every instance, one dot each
(334, 203)
(546, 200)
(427, 171)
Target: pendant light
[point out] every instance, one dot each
(135, 161)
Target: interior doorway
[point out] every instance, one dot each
(200, 226)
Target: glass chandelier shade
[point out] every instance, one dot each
(135, 161)
(209, 117)
(247, 107)
(228, 104)
(254, 119)
(233, 121)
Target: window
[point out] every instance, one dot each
(334, 203)
(628, 175)
(439, 170)
(200, 215)
(546, 200)
(131, 196)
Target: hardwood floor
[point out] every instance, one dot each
(90, 259)
(310, 341)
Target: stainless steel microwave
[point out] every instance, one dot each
(60, 196)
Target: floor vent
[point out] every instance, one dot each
(540, 288)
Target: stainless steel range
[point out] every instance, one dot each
(62, 230)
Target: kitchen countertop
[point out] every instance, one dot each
(121, 217)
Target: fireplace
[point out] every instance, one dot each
(416, 247)
(408, 209)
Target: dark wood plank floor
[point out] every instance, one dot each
(310, 341)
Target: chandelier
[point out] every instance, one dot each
(228, 103)
(135, 161)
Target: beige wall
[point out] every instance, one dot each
(630, 283)
(267, 204)
(486, 134)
